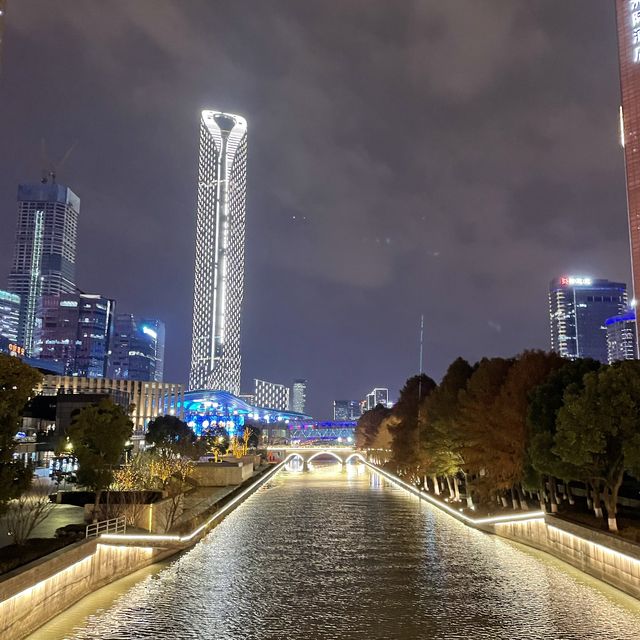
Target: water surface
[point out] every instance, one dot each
(338, 554)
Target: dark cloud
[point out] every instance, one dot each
(445, 158)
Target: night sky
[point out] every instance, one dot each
(405, 157)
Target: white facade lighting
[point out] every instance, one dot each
(219, 268)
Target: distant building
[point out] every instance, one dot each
(137, 348)
(621, 337)
(346, 410)
(75, 330)
(578, 309)
(149, 399)
(271, 395)
(219, 268)
(378, 396)
(299, 395)
(9, 315)
(44, 260)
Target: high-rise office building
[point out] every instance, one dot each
(346, 410)
(3, 10)
(578, 309)
(75, 330)
(44, 261)
(628, 22)
(299, 395)
(9, 315)
(137, 349)
(621, 337)
(271, 395)
(219, 267)
(379, 395)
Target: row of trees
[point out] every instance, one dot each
(507, 426)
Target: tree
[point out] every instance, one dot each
(475, 426)
(545, 402)
(17, 382)
(405, 442)
(504, 450)
(26, 512)
(368, 425)
(168, 433)
(598, 429)
(98, 434)
(216, 439)
(440, 414)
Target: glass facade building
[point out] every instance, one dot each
(378, 396)
(628, 26)
(346, 410)
(75, 330)
(219, 263)
(44, 260)
(578, 309)
(621, 337)
(137, 348)
(9, 315)
(299, 395)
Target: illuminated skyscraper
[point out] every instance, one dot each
(219, 269)
(628, 19)
(299, 395)
(578, 310)
(44, 261)
(137, 349)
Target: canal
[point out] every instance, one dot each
(339, 553)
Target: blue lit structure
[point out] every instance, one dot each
(205, 409)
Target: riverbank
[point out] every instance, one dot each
(604, 556)
(35, 593)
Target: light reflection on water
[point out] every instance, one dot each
(339, 553)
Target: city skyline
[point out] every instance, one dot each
(317, 236)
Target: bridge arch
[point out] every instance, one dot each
(326, 453)
(357, 456)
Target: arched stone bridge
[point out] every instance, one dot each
(308, 454)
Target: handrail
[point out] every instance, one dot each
(113, 525)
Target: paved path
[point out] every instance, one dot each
(61, 515)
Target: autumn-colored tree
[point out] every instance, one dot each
(475, 425)
(504, 448)
(405, 441)
(598, 429)
(439, 417)
(17, 382)
(368, 425)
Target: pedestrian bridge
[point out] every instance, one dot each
(308, 454)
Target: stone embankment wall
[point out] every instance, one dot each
(601, 555)
(32, 596)
(36, 593)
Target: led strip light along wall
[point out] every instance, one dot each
(524, 517)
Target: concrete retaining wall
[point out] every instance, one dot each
(601, 555)
(212, 474)
(43, 589)
(32, 596)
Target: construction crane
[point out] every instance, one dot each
(50, 169)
